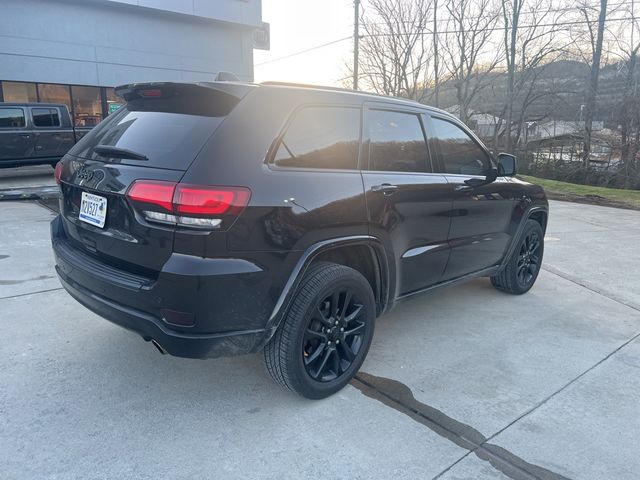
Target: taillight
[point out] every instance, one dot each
(150, 92)
(153, 193)
(192, 206)
(58, 172)
(195, 200)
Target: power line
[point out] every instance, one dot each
(440, 32)
(495, 29)
(530, 12)
(304, 51)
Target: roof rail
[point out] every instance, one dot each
(307, 85)
(339, 89)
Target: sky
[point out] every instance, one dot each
(297, 25)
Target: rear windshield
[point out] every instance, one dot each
(168, 131)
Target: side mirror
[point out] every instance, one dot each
(479, 182)
(506, 165)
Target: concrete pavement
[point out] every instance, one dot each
(464, 383)
(28, 183)
(30, 176)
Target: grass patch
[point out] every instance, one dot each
(614, 197)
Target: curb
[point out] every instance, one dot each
(30, 193)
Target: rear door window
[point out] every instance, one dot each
(460, 153)
(12, 117)
(397, 142)
(45, 117)
(321, 137)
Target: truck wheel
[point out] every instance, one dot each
(523, 267)
(325, 334)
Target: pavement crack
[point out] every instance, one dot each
(398, 396)
(570, 278)
(17, 282)
(30, 293)
(568, 384)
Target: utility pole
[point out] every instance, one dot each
(436, 63)
(356, 42)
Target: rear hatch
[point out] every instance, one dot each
(155, 136)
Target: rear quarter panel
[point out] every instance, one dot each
(290, 209)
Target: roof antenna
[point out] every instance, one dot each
(226, 77)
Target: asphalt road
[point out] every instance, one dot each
(464, 383)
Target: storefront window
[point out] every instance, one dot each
(19, 92)
(113, 101)
(87, 106)
(53, 93)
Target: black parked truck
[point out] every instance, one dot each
(35, 133)
(226, 218)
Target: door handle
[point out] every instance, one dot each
(464, 189)
(25, 135)
(385, 188)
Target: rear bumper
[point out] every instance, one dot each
(150, 328)
(135, 303)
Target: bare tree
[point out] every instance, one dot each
(596, 38)
(467, 47)
(395, 53)
(529, 42)
(511, 12)
(436, 56)
(528, 47)
(627, 38)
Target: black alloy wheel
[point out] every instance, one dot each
(334, 335)
(522, 269)
(528, 259)
(326, 333)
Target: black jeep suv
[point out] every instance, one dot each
(226, 218)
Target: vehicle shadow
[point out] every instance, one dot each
(121, 360)
(145, 372)
(106, 366)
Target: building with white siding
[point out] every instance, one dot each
(75, 51)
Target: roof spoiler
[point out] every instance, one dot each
(135, 91)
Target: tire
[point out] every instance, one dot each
(309, 354)
(523, 267)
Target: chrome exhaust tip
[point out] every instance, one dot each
(159, 347)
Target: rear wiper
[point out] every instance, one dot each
(117, 152)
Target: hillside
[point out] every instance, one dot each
(560, 88)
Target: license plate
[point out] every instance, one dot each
(93, 209)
